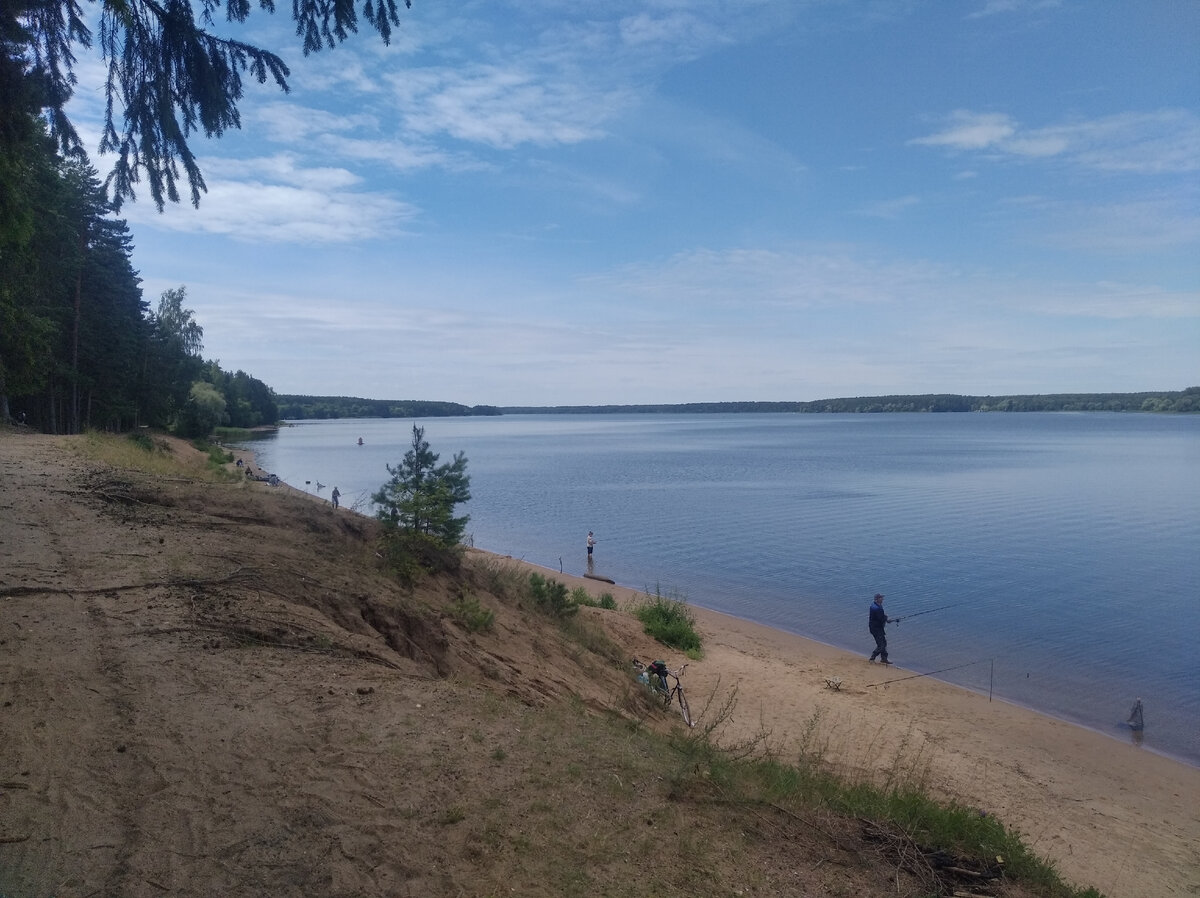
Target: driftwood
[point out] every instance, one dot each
(936, 869)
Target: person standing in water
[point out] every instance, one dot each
(876, 623)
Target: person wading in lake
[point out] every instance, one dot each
(591, 544)
(876, 623)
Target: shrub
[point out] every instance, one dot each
(473, 616)
(551, 597)
(581, 596)
(670, 621)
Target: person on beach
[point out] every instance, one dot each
(876, 624)
(334, 498)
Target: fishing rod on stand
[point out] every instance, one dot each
(991, 674)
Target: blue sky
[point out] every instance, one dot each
(594, 201)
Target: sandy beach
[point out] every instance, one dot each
(125, 602)
(1107, 812)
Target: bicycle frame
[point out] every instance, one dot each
(670, 694)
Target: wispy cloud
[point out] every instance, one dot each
(965, 130)
(1151, 224)
(1165, 141)
(275, 200)
(501, 107)
(890, 209)
(998, 7)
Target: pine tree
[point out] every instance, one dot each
(420, 497)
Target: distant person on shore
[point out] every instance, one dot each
(876, 623)
(334, 498)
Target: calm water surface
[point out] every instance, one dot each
(1068, 545)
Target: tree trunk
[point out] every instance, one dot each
(74, 427)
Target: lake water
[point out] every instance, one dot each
(1066, 545)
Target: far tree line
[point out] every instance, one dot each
(300, 408)
(1187, 400)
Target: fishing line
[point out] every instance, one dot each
(930, 674)
(927, 611)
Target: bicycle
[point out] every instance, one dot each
(657, 684)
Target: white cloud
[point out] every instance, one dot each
(308, 206)
(1165, 141)
(967, 130)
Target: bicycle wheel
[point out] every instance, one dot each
(684, 709)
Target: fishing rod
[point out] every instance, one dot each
(928, 611)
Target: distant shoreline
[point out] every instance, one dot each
(301, 407)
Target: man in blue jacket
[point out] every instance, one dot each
(876, 624)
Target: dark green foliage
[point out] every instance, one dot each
(422, 494)
(248, 401)
(79, 347)
(417, 509)
(670, 621)
(551, 597)
(142, 440)
(72, 326)
(473, 616)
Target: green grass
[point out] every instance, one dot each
(581, 596)
(138, 451)
(668, 620)
(897, 807)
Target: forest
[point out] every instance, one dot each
(80, 346)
